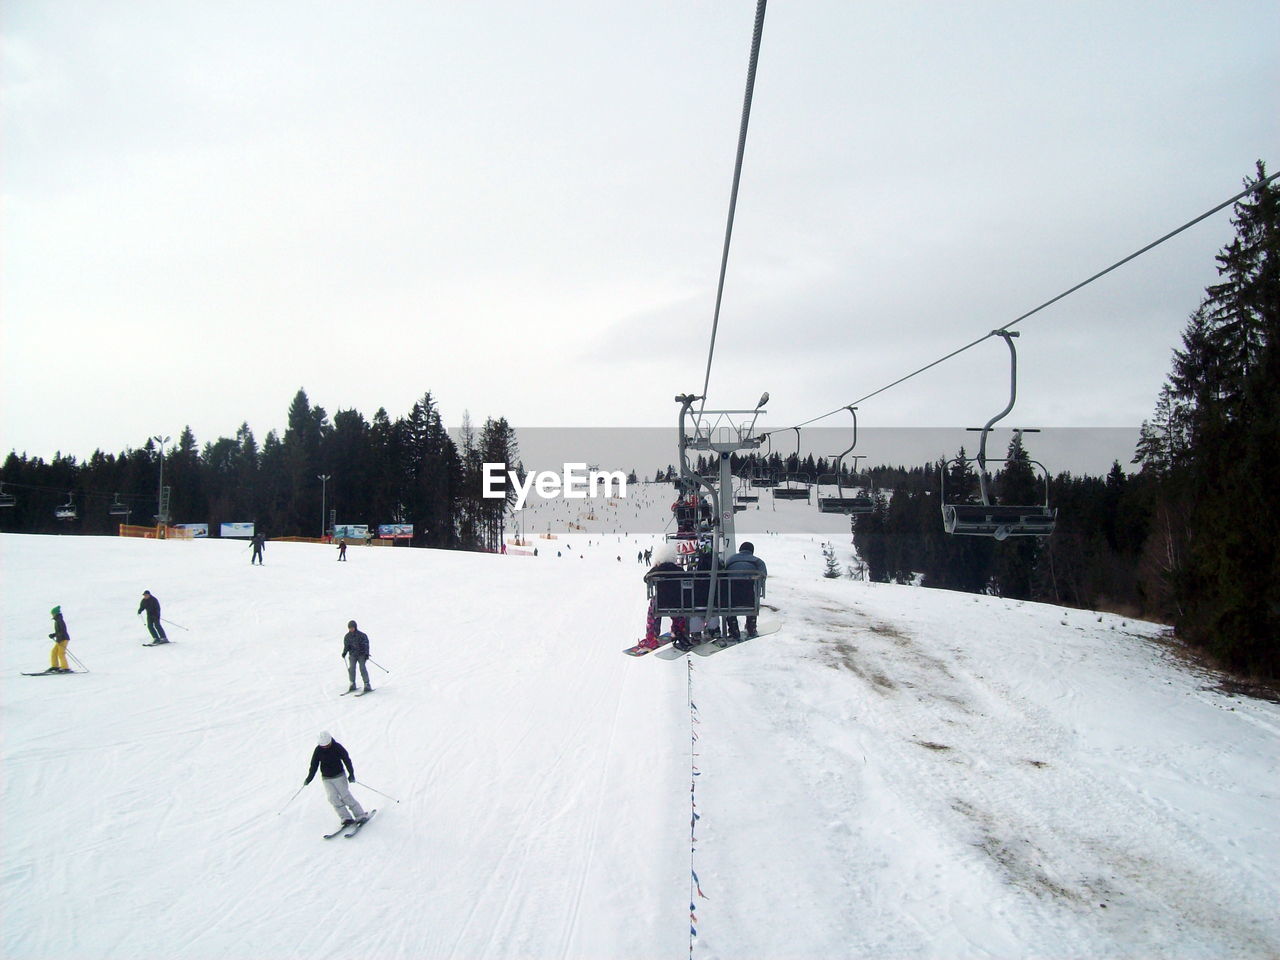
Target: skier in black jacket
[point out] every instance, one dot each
(331, 757)
(152, 606)
(356, 646)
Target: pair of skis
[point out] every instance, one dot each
(53, 673)
(358, 693)
(351, 828)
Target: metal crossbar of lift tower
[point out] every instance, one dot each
(730, 435)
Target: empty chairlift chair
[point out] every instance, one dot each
(987, 518)
(760, 479)
(796, 485)
(68, 510)
(851, 504)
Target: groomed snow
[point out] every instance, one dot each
(897, 773)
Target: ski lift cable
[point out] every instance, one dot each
(86, 493)
(733, 193)
(1066, 293)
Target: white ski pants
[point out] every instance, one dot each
(339, 795)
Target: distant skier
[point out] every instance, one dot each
(746, 562)
(258, 542)
(355, 645)
(152, 607)
(60, 638)
(330, 757)
(342, 549)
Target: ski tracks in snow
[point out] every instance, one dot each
(1020, 792)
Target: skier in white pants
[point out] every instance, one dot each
(330, 757)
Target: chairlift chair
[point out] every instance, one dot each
(790, 492)
(687, 593)
(793, 493)
(744, 494)
(759, 477)
(68, 510)
(988, 519)
(7, 499)
(118, 509)
(853, 505)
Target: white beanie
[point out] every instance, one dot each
(324, 739)
(665, 553)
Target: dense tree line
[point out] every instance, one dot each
(407, 470)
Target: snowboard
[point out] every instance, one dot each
(725, 643)
(710, 647)
(639, 651)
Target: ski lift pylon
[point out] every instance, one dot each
(711, 593)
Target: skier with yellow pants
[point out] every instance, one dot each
(60, 638)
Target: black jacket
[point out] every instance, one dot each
(59, 634)
(667, 576)
(355, 642)
(152, 606)
(330, 759)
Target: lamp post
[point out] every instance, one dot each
(160, 512)
(324, 479)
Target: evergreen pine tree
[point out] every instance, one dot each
(1218, 518)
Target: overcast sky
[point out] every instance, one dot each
(520, 207)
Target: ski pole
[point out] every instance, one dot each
(376, 790)
(290, 800)
(77, 660)
(172, 624)
(378, 665)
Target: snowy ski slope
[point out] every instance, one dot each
(898, 773)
